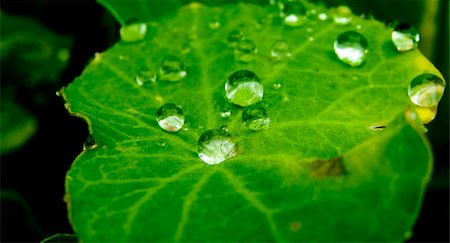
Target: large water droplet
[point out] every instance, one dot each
(294, 14)
(172, 69)
(244, 88)
(255, 117)
(170, 117)
(405, 37)
(281, 50)
(426, 90)
(133, 32)
(351, 47)
(146, 77)
(234, 37)
(245, 51)
(215, 146)
(342, 15)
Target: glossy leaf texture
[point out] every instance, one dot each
(322, 171)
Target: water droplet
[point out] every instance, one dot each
(405, 37)
(323, 16)
(426, 90)
(276, 85)
(342, 15)
(225, 112)
(170, 117)
(244, 88)
(89, 143)
(58, 93)
(162, 142)
(426, 114)
(245, 51)
(146, 77)
(215, 146)
(214, 24)
(234, 37)
(294, 14)
(351, 47)
(133, 32)
(358, 27)
(255, 117)
(311, 38)
(172, 69)
(281, 50)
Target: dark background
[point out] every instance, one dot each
(35, 173)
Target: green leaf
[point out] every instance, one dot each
(30, 52)
(17, 125)
(319, 173)
(61, 238)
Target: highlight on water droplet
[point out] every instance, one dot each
(281, 50)
(215, 146)
(294, 14)
(405, 37)
(351, 47)
(214, 24)
(322, 16)
(146, 77)
(276, 85)
(89, 143)
(342, 15)
(244, 88)
(225, 112)
(133, 32)
(255, 117)
(162, 142)
(245, 51)
(170, 117)
(426, 90)
(234, 37)
(172, 69)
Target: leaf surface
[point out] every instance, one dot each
(319, 173)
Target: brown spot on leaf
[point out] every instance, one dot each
(326, 168)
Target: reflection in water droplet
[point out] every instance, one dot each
(215, 146)
(133, 32)
(351, 47)
(294, 14)
(245, 51)
(172, 69)
(244, 88)
(225, 112)
(170, 117)
(255, 117)
(146, 77)
(405, 37)
(281, 50)
(214, 24)
(426, 90)
(234, 37)
(162, 142)
(342, 15)
(89, 143)
(426, 114)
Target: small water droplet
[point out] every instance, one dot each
(89, 143)
(405, 37)
(133, 32)
(342, 15)
(215, 146)
(186, 47)
(311, 38)
(123, 58)
(276, 85)
(245, 51)
(172, 69)
(351, 47)
(323, 16)
(255, 117)
(225, 112)
(358, 27)
(58, 93)
(294, 14)
(281, 50)
(244, 88)
(146, 77)
(214, 24)
(170, 117)
(234, 37)
(162, 142)
(426, 90)
(224, 127)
